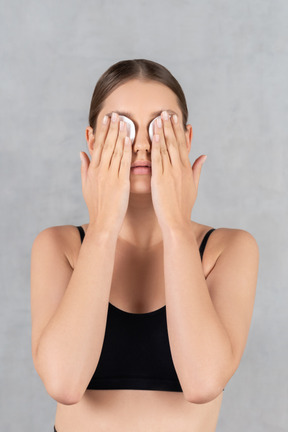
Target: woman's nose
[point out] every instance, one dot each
(131, 130)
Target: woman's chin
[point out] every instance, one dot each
(140, 187)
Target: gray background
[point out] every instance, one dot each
(231, 60)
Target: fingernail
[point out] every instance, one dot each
(175, 118)
(165, 115)
(81, 157)
(204, 159)
(114, 117)
(105, 119)
(159, 122)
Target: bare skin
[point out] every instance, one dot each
(139, 410)
(139, 249)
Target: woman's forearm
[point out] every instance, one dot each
(70, 346)
(200, 346)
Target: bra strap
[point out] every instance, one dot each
(201, 249)
(82, 233)
(204, 241)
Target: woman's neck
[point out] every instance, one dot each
(140, 226)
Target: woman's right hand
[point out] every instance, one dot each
(106, 178)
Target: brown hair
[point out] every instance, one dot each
(125, 70)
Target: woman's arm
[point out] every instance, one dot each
(69, 309)
(208, 319)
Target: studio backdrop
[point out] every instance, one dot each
(231, 59)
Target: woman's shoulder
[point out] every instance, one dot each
(228, 236)
(61, 233)
(222, 233)
(231, 244)
(65, 238)
(222, 238)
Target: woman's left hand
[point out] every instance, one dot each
(174, 183)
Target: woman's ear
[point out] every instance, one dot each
(90, 138)
(189, 135)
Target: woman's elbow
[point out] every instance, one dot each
(204, 393)
(63, 394)
(60, 387)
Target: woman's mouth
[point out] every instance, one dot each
(141, 170)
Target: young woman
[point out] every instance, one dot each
(134, 327)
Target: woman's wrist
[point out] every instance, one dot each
(101, 233)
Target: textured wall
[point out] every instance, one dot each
(231, 59)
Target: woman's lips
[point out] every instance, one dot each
(141, 170)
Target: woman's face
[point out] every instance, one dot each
(141, 102)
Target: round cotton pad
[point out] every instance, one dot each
(130, 127)
(151, 127)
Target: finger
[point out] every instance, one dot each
(166, 164)
(130, 126)
(156, 159)
(84, 166)
(170, 139)
(97, 152)
(196, 169)
(118, 149)
(125, 166)
(110, 141)
(181, 140)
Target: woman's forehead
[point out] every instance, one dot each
(135, 95)
(141, 101)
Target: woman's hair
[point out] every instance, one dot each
(125, 70)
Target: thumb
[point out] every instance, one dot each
(197, 167)
(84, 164)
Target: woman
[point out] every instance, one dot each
(134, 327)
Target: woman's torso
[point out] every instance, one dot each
(138, 410)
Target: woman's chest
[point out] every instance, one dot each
(138, 284)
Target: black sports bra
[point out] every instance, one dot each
(136, 352)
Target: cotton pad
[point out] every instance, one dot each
(151, 127)
(130, 127)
